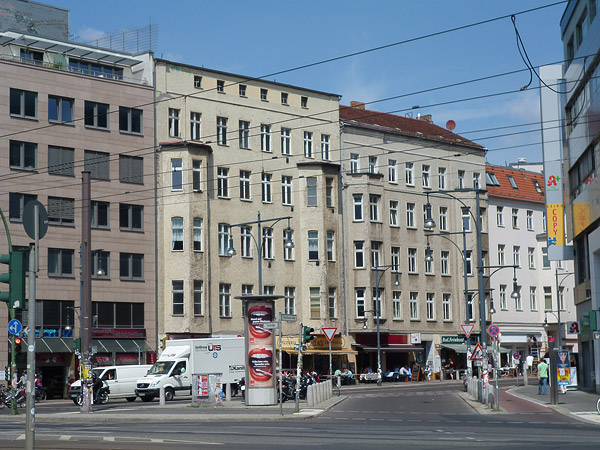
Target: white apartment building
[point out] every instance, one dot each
(389, 166)
(231, 147)
(517, 236)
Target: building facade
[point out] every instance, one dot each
(518, 236)
(580, 32)
(392, 167)
(66, 108)
(232, 148)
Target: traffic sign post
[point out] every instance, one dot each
(477, 354)
(468, 329)
(329, 333)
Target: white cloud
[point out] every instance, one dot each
(89, 34)
(170, 56)
(358, 85)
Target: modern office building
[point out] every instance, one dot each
(392, 167)
(66, 108)
(518, 236)
(580, 32)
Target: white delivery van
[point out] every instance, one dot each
(183, 357)
(121, 380)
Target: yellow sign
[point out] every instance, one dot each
(564, 376)
(556, 224)
(581, 216)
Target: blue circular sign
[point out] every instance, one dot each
(493, 330)
(15, 327)
(215, 354)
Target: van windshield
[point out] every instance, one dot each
(161, 367)
(98, 371)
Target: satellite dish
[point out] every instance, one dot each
(451, 125)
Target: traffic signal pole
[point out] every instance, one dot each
(30, 391)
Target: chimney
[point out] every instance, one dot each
(426, 118)
(357, 105)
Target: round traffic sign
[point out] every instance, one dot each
(516, 355)
(29, 219)
(14, 327)
(493, 330)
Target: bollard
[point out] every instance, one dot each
(228, 392)
(161, 394)
(309, 396)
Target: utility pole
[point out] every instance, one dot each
(86, 290)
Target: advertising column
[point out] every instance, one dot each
(260, 356)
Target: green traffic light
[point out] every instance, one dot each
(306, 334)
(15, 278)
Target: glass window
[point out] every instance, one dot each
(177, 295)
(198, 297)
(98, 163)
(246, 241)
(265, 138)
(374, 207)
(444, 261)
(224, 300)
(245, 185)
(223, 236)
(325, 147)
(130, 120)
(267, 245)
(446, 307)
(96, 115)
(410, 174)
(176, 175)
(288, 252)
(131, 217)
(131, 266)
(501, 260)
(360, 302)
(532, 299)
(311, 191)
(221, 131)
(286, 141)
(195, 126)
(177, 233)
(330, 246)
(196, 175)
(222, 182)
(358, 207)
(23, 155)
(100, 214)
(442, 177)
(61, 211)
(545, 260)
(290, 300)
(376, 259)
(174, 130)
(354, 167)
(329, 192)
(359, 258)
(372, 164)
(264, 94)
(530, 220)
(430, 305)
(221, 86)
(393, 213)
(410, 215)
(286, 190)
(242, 90)
(500, 216)
(197, 234)
(547, 298)
(517, 255)
(313, 245)
(331, 303)
(308, 151)
(23, 104)
(412, 260)
(60, 262)
(315, 303)
(267, 189)
(531, 257)
(443, 218)
(414, 306)
(396, 305)
(61, 161)
(425, 175)
(503, 304)
(304, 102)
(392, 175)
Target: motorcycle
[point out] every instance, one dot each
(101, 396)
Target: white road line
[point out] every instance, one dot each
(377, 419)
(157, 441)
(21, 437)
(64, 438)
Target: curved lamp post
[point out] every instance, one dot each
(377, 311)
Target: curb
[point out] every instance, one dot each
(205, 416)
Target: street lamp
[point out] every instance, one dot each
(259, 242)
(377, 311)
(430, 223)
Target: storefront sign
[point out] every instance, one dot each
(556, 224)
(453, 340)
(123, 333)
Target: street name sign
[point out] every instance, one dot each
(329, 333)
(289, 317)
(270, 325)
(468, 329)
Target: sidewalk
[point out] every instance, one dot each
(235, 410)
(576, 403)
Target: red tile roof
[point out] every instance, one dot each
(524, 180)
(402, 125)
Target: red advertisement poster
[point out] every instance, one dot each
(260, 345)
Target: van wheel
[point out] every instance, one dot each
(131, 399)
(169, 394)
(147, 399)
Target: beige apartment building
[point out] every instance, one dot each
(389, 164)
(231, 148)
(65, 108)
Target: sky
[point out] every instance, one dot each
(264, 37)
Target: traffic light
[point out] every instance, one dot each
(15, 278)
(306, 336)
(18, 342)
(590, 320)
(7, 373)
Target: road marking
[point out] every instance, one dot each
(157, 441)
(21, 437)
(109, 438)
(64, 438)
(377, 419)
(396, 420)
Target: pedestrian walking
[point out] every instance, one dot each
(542, 377)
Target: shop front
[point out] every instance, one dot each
(316, 355)
(397, 350)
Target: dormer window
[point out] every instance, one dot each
(537, 187)
(32, 57)
(512, 182)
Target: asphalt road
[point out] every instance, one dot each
(391, 417)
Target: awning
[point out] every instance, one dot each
(399, 348)
(54, 345)
(121, 345)
(462, 348)
(346, 351)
